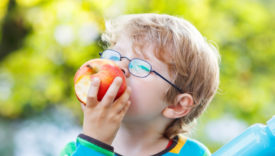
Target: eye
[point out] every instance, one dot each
(141, 65)
(114, 58)
(139, 68)
(145, 68)
(111, 55)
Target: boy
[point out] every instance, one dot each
(172, 74)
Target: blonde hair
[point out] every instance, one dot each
(192, 61)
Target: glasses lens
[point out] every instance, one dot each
(139, 68)
(111, 55)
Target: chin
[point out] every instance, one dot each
(132, 114)
(137, 116)
(131, 119)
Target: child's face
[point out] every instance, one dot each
(147, 93)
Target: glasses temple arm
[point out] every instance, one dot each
(168, 81)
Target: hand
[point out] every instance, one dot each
(102, 119)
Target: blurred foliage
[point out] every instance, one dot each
(43, 42)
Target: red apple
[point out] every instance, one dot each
(105, 70)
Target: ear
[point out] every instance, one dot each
(182, 105)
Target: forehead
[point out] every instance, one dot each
(145, 52)
(160, 58)
(130, 47)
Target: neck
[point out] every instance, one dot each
(140, 136)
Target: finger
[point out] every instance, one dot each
(122, 101)
(112, 92)
(124, 110)
(92, 93)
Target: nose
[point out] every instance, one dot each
(123, 64)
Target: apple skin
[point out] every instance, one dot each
(105, 70)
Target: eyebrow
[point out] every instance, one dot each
(116, 48)
(140, 52)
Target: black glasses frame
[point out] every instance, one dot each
(151, 70)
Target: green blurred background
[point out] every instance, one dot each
(43, 42)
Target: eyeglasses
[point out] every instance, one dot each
(137, 67)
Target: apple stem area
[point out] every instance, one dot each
(93, 70)
(89, 66)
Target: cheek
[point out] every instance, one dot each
(147, 95)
